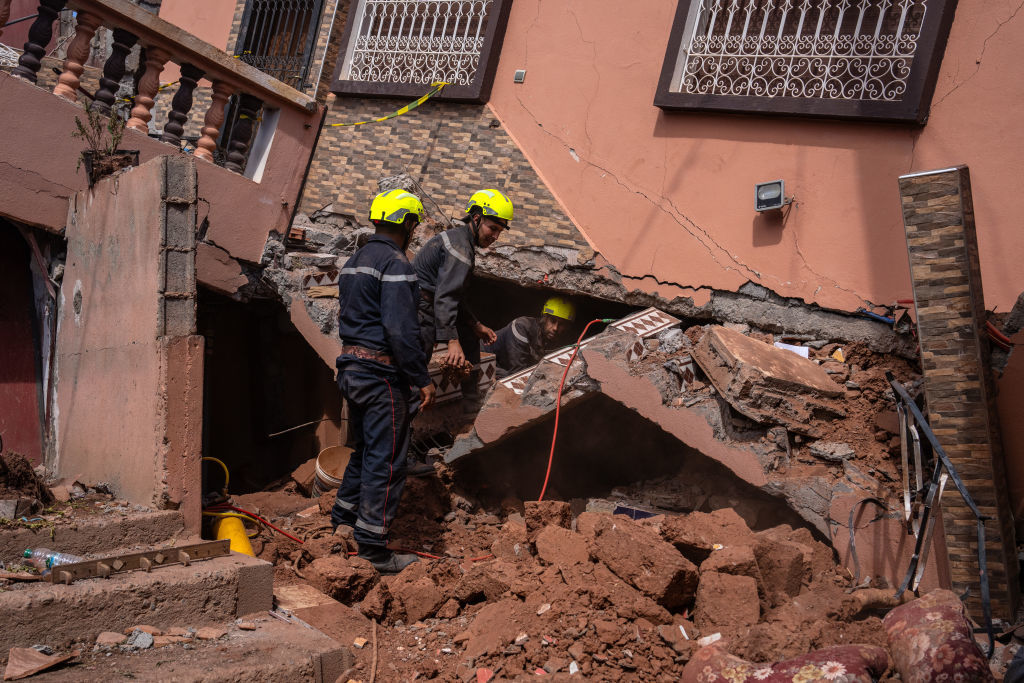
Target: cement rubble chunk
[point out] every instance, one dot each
(724, 600)
(766, 384)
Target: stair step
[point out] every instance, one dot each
(204, 593)
(276, 651)
(95, 533)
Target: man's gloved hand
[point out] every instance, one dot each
(427, 394)
(455, 355)
(485, 333)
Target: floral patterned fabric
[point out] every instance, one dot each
(844, 664)
(930, 639)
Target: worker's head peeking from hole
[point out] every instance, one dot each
(395, 214)
(489, 212)
(556, 318)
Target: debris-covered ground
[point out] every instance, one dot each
(529, 588)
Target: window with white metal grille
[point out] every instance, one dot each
(400, 47)
(875, 59)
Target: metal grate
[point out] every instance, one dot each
(417, 41)
(825, 49)
(277, 37)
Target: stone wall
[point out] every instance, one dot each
(938, 213)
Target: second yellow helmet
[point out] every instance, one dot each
(492, 203)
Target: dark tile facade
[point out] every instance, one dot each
(939, 217)
(451, 149)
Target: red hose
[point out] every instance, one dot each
(558, 404)
(998, 337)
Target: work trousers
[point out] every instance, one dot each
(467, 339)
(380, 409)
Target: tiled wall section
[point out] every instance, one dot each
(451, 149)
(939, 218)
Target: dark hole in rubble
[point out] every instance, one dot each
(606, 450)
(260, 377)
(498, 302)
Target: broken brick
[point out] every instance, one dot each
(145, 628)
(696, 534)
(651, 565)
(346, 579)
(561, 547)
(510, 543)
(726, 602)
(162, 641)
(782, 565)
(738, 560)
(211, 633)
(110, 639)
(416, 593)
(542, 513)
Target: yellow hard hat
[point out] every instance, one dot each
(560, 308)
(492, 203)
(394, 205)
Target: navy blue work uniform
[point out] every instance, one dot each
(380, 366)
(519, 345)
(444, 268)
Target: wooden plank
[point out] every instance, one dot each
(105, 566)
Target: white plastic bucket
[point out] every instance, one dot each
(330, 468)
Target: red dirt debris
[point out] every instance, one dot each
(609, 596)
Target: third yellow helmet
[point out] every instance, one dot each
(560, 308)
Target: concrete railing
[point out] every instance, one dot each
(260, 97)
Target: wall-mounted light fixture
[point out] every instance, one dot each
(771, 196)
(519, 76)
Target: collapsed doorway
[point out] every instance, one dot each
(262, 381)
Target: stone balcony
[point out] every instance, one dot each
(252, 173)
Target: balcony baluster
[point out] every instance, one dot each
(38, 38)
(238, 149)
(181, 104)
(149, 86)
(213, 121)
(113, 70)
(78, 55)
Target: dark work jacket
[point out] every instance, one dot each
(519, 345)
(444, 267)
(378, 293)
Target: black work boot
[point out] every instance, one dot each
(386, 561)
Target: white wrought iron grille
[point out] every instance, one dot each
(826, 49)
(410, 41)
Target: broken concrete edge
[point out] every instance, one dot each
(751, 304)
(572, 271)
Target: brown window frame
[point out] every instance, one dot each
(912, 108)
(478, 91)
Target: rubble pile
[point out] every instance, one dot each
(22, 492)
(532, 587)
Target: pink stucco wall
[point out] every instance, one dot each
(128, 407)
(667, 197)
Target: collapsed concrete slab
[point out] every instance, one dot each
(767, 384)
(623, 413)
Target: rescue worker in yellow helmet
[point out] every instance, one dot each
(382, 373)
(444, 267)
(524, 341)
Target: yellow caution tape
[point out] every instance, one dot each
(437, 86)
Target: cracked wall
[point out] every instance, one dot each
(666, 197)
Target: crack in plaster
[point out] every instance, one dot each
(676, 214)
(978, 62)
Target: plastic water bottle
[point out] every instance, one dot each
(45, 559)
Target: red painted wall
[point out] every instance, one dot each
(20, 416)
